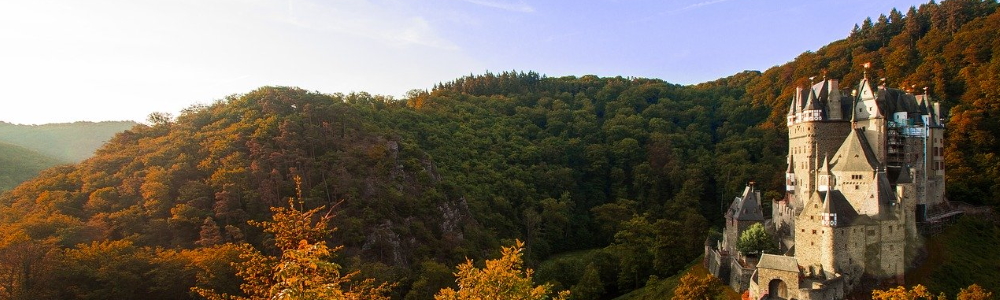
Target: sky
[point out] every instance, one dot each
(99, 60)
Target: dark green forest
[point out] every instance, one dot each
(630, 173)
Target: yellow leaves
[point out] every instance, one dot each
(974, 292)
(901, 293)
(501, 278)
(303, 270)
(695, 288)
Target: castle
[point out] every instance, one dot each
(863, 168)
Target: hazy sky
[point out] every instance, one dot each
(70, 60)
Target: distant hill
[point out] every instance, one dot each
(68, 142)
(18, 164)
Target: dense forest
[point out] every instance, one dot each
(630, 173)
(67, 142)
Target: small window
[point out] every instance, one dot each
(814, 231)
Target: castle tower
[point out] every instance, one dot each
(827, 240)
(817, 126)
(825, 178)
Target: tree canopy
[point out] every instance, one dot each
(756, 241)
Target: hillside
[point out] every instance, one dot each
(18, 164)
(68, 142)
(635, 170)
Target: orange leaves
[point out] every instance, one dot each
(501, 278)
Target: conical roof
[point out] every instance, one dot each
(811, 102)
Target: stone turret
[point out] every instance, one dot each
(824, 178)
(790, 176)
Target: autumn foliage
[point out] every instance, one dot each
(503, 278)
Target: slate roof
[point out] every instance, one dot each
(835, 202)
(855, 155)
(778, 262)
(746, 207)
(899, 174)
(811, 102)
(893, 100)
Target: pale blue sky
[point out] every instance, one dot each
(67, 60)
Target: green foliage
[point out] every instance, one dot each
(755, 241)
(590, 286)
(967, 245)
(18, 164)
(65, 142)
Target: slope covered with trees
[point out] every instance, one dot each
(18, 164)
(633, 170)
(68, 142)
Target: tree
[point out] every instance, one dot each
(590, 285)
(755, 240)
(25, 265)
(693, 287)
(974, 292)
(303, 271)
(210, 234)
(501, 278)
(901, 293)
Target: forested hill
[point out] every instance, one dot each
(637, 169)
(68, 142)
(18, 164)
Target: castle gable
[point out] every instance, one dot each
(865, 105)
(746, 207)
(855, 155)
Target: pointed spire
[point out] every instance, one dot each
(825, 167)
(823, 178)
(791, 107)
(829, 211)
(798, 99)
(854, 109)
(811, 102)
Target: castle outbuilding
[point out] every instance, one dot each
(864, 166)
